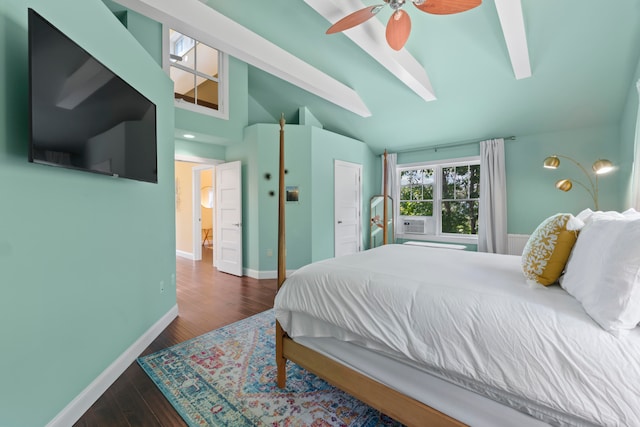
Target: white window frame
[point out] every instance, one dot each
(437, 235)
(223, 77)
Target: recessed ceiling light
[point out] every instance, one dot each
(189, 136)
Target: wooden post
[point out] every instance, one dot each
(385, 192)
(281, 362)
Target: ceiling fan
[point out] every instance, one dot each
(399, 25)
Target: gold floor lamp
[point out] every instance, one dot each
(599, 167)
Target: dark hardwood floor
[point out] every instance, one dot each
(207, 299)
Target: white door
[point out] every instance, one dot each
(348, 202)
(229, 218)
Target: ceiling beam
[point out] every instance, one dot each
(205, 24)
(369, 36)
(512, 22)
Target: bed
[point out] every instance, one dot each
(435, 338)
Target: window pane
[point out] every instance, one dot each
(183, 84)
(207, 93)
(462, 182)
(427, 192)
(448, 182)
(410, 177)
(207, 62)
(416, 208)
(181, 49)
(405, 192)
(460, 217)
(416, 192)
(474, 191)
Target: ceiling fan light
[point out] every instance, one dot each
(602, 166)
(552, 162)
(396, 4)
(564, 185)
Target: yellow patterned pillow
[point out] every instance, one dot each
(548, 248)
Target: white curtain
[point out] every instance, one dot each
(635, 175)
(392, 187)
(492, 213)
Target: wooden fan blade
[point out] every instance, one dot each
(398, 29)
(355, 18)
(447, 7)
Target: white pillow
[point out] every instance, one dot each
(587, 215)
(603, 272)
(631, 213)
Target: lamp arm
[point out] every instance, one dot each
(593, 192)
(584, 171)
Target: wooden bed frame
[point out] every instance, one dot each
(379, 396)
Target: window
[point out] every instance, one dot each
(198, 73)
(446, 195)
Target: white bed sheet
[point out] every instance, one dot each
(471, 319)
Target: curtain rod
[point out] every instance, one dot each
(453, 144)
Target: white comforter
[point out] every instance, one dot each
(471, 318)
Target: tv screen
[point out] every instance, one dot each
(83, 116)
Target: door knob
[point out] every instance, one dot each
(339, 222)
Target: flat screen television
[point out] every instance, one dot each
(82, 115)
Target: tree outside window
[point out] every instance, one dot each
(460, 199)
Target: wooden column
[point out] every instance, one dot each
(385, 192)
(281, 362)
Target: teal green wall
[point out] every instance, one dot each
(309, 158)
(298, 214)
(81, 255)
(199, 149)
(220, 131)
(531, 195)
(328, 147)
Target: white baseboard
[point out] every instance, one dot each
(78, 406)
(183, 254)
(257, 274)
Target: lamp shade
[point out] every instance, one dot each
(602, 166)
(552, 162)
(564, 185)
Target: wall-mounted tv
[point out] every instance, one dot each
(83, 116)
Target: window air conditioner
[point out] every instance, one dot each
(414, 226)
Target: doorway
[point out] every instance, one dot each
(195, 213)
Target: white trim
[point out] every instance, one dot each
(213, 28)
(78, 406)
(196, 217)
(269, 274)
(184, 254)
(196, 159)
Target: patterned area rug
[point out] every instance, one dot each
(227, 377)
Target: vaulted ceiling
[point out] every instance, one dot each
(582, 54)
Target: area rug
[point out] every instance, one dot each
(227, 377)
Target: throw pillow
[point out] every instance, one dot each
(548, 248)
